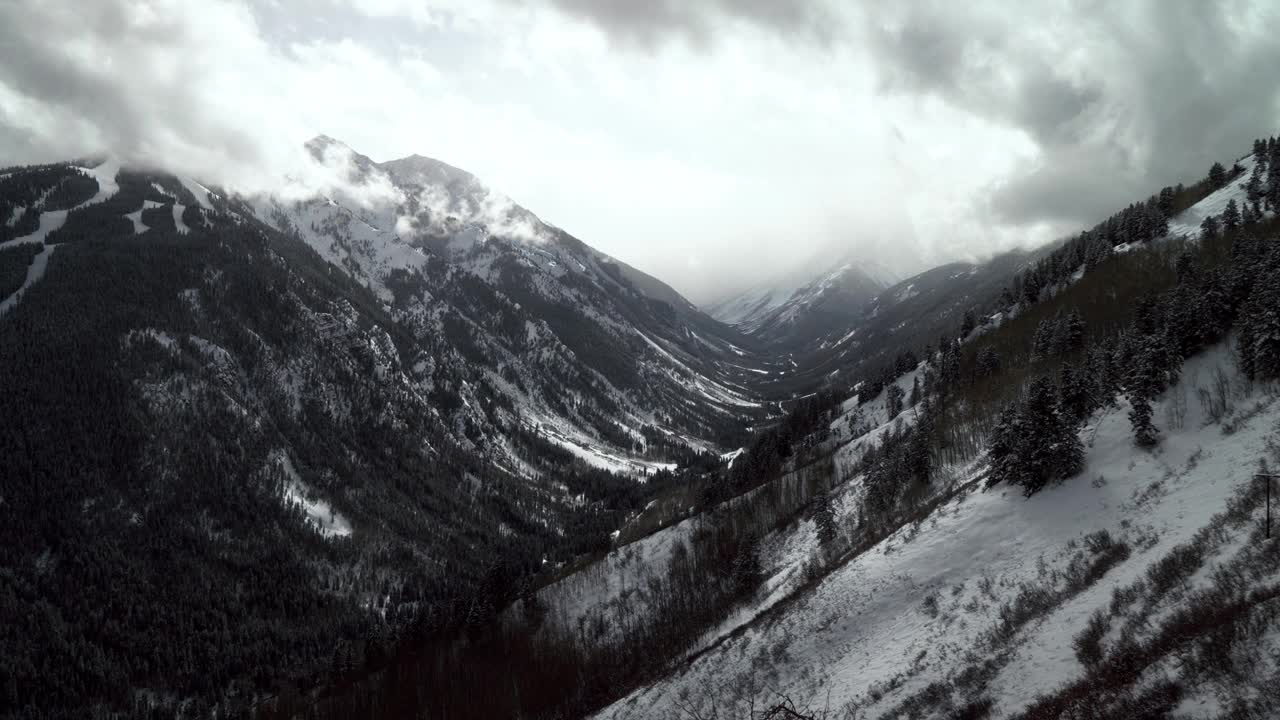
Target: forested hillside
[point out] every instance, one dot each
(229, 475)
(835, 537)
(273, 458)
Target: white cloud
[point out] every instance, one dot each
(747, 142)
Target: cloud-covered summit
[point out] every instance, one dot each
(709, 143)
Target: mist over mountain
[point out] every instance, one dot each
(733, 360)
(755, 136)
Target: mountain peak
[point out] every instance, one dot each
(422, 170)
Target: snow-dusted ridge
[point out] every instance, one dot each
(915, 608)
(412, 230)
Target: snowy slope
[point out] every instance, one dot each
(1187, 223)
(105, 175)
(916, 608)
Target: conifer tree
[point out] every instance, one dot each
(987, 363)
(1217, 176)
(1052, 446)
(1042, 341)
(1254, 189)
(1231, 216)
(1071, 335)
(893, 400)
(1073, 386)
(1003, 446)
(1250, 214)
(824, 517)
(1258, 340)
(1145, 434)
(1209, 226)
(1034, 443)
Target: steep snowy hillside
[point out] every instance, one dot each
(1051, 513)
(1008, 585)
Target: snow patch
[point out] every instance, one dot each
(320, 515)
(35, 271)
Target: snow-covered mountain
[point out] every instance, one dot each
(351, 433)
(584, 348)
(806, 302)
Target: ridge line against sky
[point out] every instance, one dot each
(710, 144)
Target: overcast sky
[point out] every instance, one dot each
(710, 143)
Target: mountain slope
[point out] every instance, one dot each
(896, 553)
(807, 302)
(544, 311)
(241, 449)
(900, 627)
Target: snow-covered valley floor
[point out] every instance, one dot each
(997, 581)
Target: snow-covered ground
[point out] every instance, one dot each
(1187, 223)
(598, 457)
(105, 174)
(35, 271)
(320, 515)
(910, 611)
(135, 217)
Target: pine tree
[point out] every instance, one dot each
(1071, 333)
(919, 460)
(987, 363)
(1254, 189)
(1217, 176)
(914, 399)
(1185, 267)
(1053, 447)
(1251, 214)
(1034, 443)
(1209, 226)
(1003, 447)
(893, 400)
(1042, 341)
(1165, 201)
(1104, 372)
(1231, 216)
(1258, 341)
(967, 324)
(1073, 386)
(1273, 176)
(824, 517)
(1145, 434)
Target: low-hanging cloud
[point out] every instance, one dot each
(707, 142)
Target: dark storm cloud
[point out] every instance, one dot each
(105, 74)
(647, 24)
(1137, 96)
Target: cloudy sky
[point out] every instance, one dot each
(711, 142)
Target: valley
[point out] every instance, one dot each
(386, 443)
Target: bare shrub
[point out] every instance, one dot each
(1088, 644)
(1216, 400)
(1175, 568)
(930, 605)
